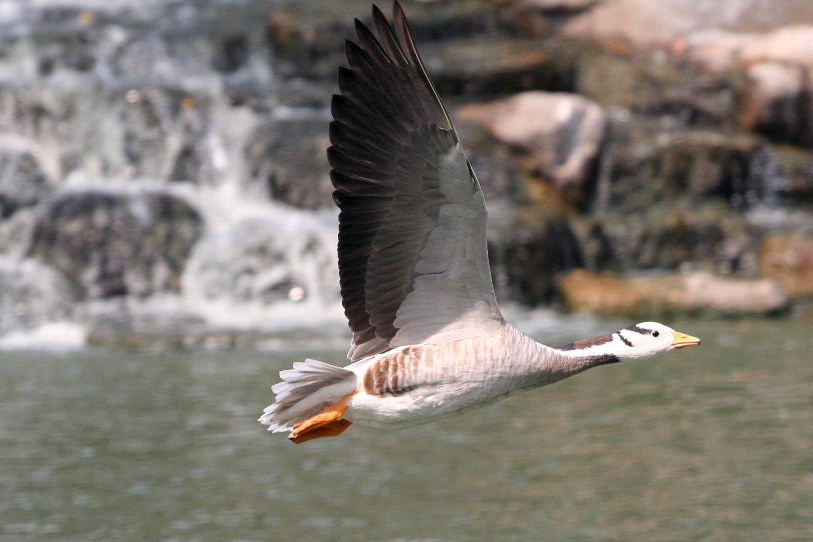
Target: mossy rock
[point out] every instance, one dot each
(528, 249)
(654, 84)
(692, 294)
(111, 245)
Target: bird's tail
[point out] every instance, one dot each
(304, 391)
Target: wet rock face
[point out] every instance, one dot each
(780, 103)
(22, 181)
(111, 245)
(289, 158)
(778, 97)
(650, 166)
(645, 23)
(528, 251)
(654, 85)
(561, 134)
(708, 237)
(698, 293)
(31, 294)
(307, 40)
(788, 259)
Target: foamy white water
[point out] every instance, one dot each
(55, 336)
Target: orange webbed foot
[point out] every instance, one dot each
(328, 423)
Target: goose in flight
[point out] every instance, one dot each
(428, 336)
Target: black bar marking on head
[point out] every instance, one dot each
(640, 330)
(625, 341)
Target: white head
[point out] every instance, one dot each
(636, 341)
(648, 338)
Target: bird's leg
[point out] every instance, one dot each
(328, 423)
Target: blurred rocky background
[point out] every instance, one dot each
(163, 169)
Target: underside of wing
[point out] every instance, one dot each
(413, 263)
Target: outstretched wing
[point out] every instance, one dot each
(413, 263)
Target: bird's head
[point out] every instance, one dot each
(648, 338)
(636, 341)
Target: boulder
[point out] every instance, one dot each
(558, 6)
(307, 38)
(794, 179)
(528, 249)
(22, 181)
(714, 49)
(698, 293)
(288, 159)
(657, 85)
(788, 259)
(718, 49)
(649, 165)
(117, 244)
(500, 66)
(31, 294)
(559, 134)
(779, 98)
(670, 237)
(786, 45)
(780, 102)
(644, 23)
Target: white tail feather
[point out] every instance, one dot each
(304, 391)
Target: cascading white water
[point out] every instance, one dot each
(134, 101)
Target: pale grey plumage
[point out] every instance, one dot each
(413, 262)
(428, 336)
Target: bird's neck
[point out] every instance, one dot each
(548, 364)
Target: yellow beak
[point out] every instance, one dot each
(682, 340)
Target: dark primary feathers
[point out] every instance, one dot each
(408, 199)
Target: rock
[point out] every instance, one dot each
(697, 293)
(714, 49)
(231, 53)
(657, 86)
(780, 103)
(31, 294)
(500, 66)
(528, 249)
(557, 6)
(646, 24)
(779, 98)
(561, 135)
(731, 167)
(794, 179)
(307, 41)
(671, 237)
(787, 45)
(289, 158)
(22, 181)
(495, 163)
(595, 244)
(307, 38)
(718, 49)
(111, 245)
(788, 259)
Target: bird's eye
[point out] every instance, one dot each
(655, 333)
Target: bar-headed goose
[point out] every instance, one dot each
(428, 336)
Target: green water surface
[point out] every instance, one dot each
(708, 443)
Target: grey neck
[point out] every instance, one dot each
(542, 364)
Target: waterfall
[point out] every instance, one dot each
(137, 193)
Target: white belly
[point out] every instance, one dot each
(421, 405)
